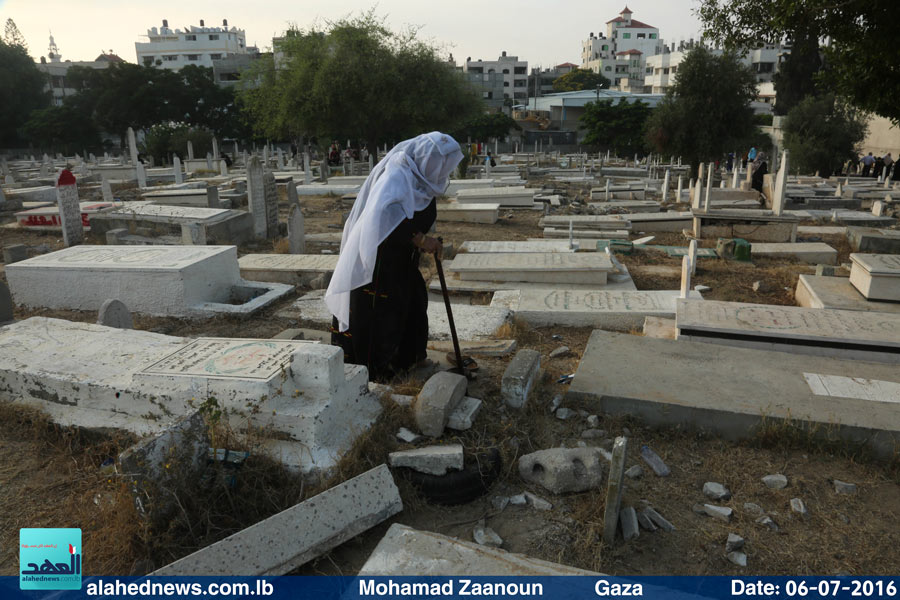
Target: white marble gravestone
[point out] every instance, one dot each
(780, 185)
(293, 269)
(69, 209)
(187, 281)
(256, 198)
(271, 204)
(178, 170)
(106, 189)
(296, 233)
(534, 267)
(876, 276)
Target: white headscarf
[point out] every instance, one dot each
(403, 183)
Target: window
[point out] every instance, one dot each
(505, 84)
(148, 60)
(190, 38)
(213, 36)
(626, 36)
(192, 56)
(506, 71)
(487, 95)
(641, 36)
(170, 57)
(520, 83)
(652, 36)
(608, 69)
(215, 56)
(519, 71)
(604, 47)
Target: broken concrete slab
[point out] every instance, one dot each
(628, 519)
(722, 513)
(309, 407)
(659, 327)
(849, 399)
(838, 333)
(406, 551)
(614, 488)
(194, 281)
(494, 348)
(716, 491)
(317, 525)
(14, 253)
(607, 309)
(434, 460)
(520, 377)
(538, 267)
(463, 417)
(837, 293)
(292, 269)
(437, 400)
(563, 470)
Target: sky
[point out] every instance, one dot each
(545, 33)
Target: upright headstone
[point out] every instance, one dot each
(215, 148)
(237, 151)
(9, 179)
(709, 178)
(371, 162)
(606, 191)
(265, 157)
(141, 174)
(190, 150)
(271, 195)
(697, 198)
(69, 209)
(487, 169)
(692, 254)
(280, 160)
(614, 490)
(114, 313)
(176, 168)
(151, 161)
(839, 191)
(132, 146)
(665, 186)
(223, 168)
(106, 189)
(296, 233)
(736, 170)
(307, 168)
(323, 171)
(680, 184)
(780, 185)
(685, 276)
(256, 197)
(212, 197)
(209, 166)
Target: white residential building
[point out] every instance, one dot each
(514, 71)
(57, 69)
(621, 54)
(173, 49)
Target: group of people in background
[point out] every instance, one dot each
(875, 166)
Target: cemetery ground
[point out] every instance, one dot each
(51, 474)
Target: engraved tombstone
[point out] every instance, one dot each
(271, 204)
(176, 168)
(296, 235)
(106, 189)
(69, 209)
(256, 197)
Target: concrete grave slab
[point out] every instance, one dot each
(515, 246)
(632, 206)
(472, 322)
(759, 385)
(534, 267)
(222, 226)
(468, 213)
(614, 310)
(878, 241)
(47, 218)
(293, 269)
(195, 197)
(752, 225)
(815, 253)
(406, 551)
(838, 333)
(190, 281)
(506, 197)
(316, 526)
(837, 293)
(876, 276)
(813, 230)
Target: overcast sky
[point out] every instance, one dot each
(544, 33)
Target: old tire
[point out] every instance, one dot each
(459, 487)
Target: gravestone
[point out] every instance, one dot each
(296, 234)
(876, 276)
(223, 168)
(132, 146)
(614, 489)
(323, 171)
(193, 234)
(6, 304)
(516, 246)
(114, 313)
(665, 186)
(709, 178)
(190, 150)
(177, 170)
(686, 266)
(212, 197)
(534, 267)
(14, 253)
(209, 162)
(307, 169)
(69, 209)
(294, 269)
(280, 159)
(215, 148)
(692, 254)
(106, 189)
(271, 204)
(680, 184)
(780, 185)
(141, 175)
(256, 198)
(697, 199)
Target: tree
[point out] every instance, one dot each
(707, 112)
(13, 37)
(21, 91)
(822, 133)
(619, 127)
(63, 129)
(355, 79)
(580, 79)
(862, 57)
(486, 126)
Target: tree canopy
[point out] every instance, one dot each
(486, 126)
(355, 79)
(862, 57)
(21, 90)
(618, 127)
(14, 37)
(580, 79)
(822, 133)
(707, 112)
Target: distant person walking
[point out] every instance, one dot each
(867, 162)
(888, 163)
(758, 169)
(879, 167)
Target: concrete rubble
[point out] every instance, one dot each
(437, 400)
(433, 460)
(521, 374)
(563, 470)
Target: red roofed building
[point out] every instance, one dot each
(621, 54)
